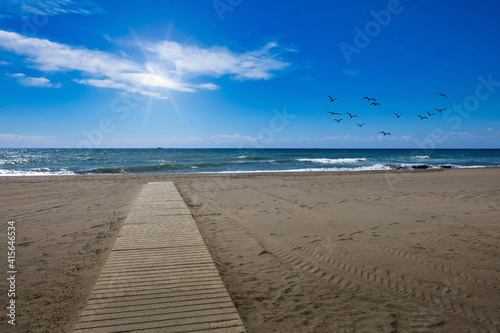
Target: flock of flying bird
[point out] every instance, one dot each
(375, 103)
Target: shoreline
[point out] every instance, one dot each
(257, 172)
(280, 240)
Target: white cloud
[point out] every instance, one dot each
(175, 64)
(456, 135)
(406, 138)
(50, 56)
(154, 80)
(120, 86)
(208, 86)
(19, 138)
(379, 137)
(39, 82)
(348, 138)
(491, 132)
(183, 139)
(217, 61)
(50, 7)
(232, 138)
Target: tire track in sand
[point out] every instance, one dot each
(436, 299)
(438, 267)
(345, 270)
(339, 259)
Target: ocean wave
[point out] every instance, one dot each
(17, 161)
(185, 169)
(36, 172)
(401, 166)
(421, 157)
(375, 167)
(229, 164)
(211, 164)
(101, 171)
(133, 169)
(251, 158)
(408, 166)
(333, 161)
(472, 166)
(166, 167)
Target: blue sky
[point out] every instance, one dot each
(249, 74)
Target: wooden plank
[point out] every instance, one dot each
(159, 276)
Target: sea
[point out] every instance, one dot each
(41, 162)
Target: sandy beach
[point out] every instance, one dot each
(396, 251)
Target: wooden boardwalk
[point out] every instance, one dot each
(159, 276)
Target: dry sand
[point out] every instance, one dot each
(323, 252)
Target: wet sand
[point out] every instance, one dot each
(390, 251)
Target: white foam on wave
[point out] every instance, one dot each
(421, 157)
(413, 166)
(333, 160)
(35, 172)
(14, 161)
(242, 157)
(375, 167)
(469, 166)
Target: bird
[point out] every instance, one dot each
(334, 113)
(368, 98)
(351, 115)
(442, 95)
(421, 117)
(359, 124)
(332, 99)
(439, 110)
(430, 114)
(397, 115)
(338, 120)
(375, 103)
(385, 133)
